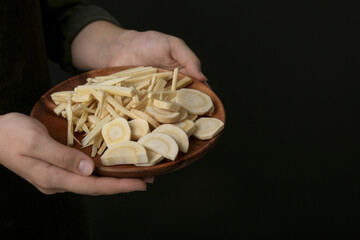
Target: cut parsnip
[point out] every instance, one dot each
(127, 152)
(153, 157)
(188, 126)
(114, 81)
(96, 130)
(161, 115)
(162, 94)
(146, 117)
(192, 117)
(177, 134)
(160, 143)
(175, 78)
(194, 101)
(116, 131)
(69, 115)
(206, 128)
(170, 106)
(183, 115)
(139, 128)
(122, 91)
(186, 81)
(110, 110)
(59, 108)
(211, 112)
(79, 97)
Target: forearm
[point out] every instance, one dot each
(90, 48)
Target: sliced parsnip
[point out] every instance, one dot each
(69, 116)
(188, 126)
(153, 157)
(160, 143)
(211, 112)
(146, 117)
(183, 115)
(102, 148)
(116, 131)
(120, 107)
(175, 78)
(59, 108)
(122, 91)
(95, 131)
(160, 84)
(192, 117)
(81, 121)
(81, 97)
(206, 128)
(112, 82)
(162, 94)
(194, 101)
(61, 96)
(139, 128)
(186, 81)
(163, 116)
(127, 152)
(177, 134)
(113, 113)
(170, 106)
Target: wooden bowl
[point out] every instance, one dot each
(57, 126)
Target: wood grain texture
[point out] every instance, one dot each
(57, 126)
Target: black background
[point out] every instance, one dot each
(287, 164)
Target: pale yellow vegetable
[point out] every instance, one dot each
(160, 143)
(127, 152)
(207, 128)
(116, 131)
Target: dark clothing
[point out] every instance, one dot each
(29, 32)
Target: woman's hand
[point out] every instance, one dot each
(27, 149)
(102, 44)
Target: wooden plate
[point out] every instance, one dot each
(57, 126)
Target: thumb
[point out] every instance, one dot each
(51, 151)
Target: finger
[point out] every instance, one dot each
(50, 179)
(149, 179)
(91, 185)
(187, 58)
(47, 149)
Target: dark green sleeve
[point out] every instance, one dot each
(62, 21)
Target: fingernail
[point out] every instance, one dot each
(85, 167)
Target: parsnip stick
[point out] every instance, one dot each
(175, 78)
(69, 116)
(96, 130)
(59, 108)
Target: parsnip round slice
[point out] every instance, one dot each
(206, 128)
(116, 131)
(162, 115)
(160, 143)
(146, 117)
(170, 106)
(177, 134)
(127, 152)
(192, 117)
(188, 126)
(154, 158)
(194, 101)
(211, 112)
(183, 115)
(139, 128)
